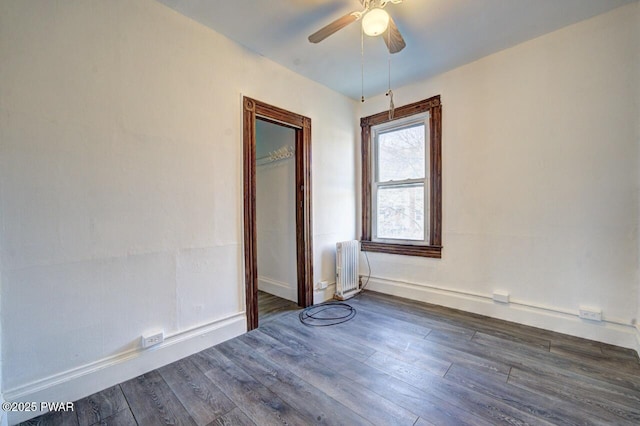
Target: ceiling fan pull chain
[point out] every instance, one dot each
(390, 92)
(389, 88)
(361, 64)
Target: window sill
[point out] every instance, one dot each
(406, 250)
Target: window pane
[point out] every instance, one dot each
(401, 154)
(400, 213)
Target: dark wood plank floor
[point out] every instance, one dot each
(397, 362)
(270, 307)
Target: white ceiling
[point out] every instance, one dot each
(440, 34)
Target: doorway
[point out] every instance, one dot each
(275, 219)
(255, 110)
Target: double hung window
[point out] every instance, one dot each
(400, 184)
(402, 180)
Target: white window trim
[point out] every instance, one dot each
(417, 119)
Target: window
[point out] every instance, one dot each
(399, 185)
(401, 180)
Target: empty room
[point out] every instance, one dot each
(339, 212)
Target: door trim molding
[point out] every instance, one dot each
(253, 110)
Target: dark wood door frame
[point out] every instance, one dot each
(252, 110)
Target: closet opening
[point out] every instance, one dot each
(275, 219)
(277, 207)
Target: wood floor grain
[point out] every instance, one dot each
(101, 406)
(153, 402)
(201, 397)
(397, 361)
(270, 307)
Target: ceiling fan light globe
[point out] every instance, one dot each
(375, 22)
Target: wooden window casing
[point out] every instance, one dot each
(433, 107)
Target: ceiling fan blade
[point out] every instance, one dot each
(336, 25)
(393, 38)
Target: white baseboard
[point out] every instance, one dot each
(85, 380)
(637, 348)
(278, 288)
(547, 317)
(320, 296)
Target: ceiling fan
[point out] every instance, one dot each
(375, 21)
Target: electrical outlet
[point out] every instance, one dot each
(149, 340)
(501, 296)
(590, 314)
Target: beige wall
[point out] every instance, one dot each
(540, 177)
(121, 187)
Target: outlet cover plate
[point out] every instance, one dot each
(590, 314)
(501, 296)
(152, 339)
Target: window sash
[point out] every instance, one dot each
(413, 121)
(434, 247)
(422, 120)
(425, 213)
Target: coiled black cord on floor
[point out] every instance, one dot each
(326, 314)
(311, 316)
